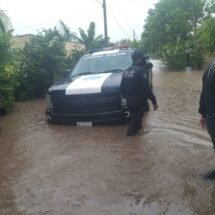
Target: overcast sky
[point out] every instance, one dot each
(123, 16)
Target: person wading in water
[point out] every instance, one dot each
(136, 89)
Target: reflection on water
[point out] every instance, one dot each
(57, 169)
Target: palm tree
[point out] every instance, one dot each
(5, 23)
(64, 30)
(89, 39)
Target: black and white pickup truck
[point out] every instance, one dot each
(91, 93)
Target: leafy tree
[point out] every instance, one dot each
(7, 64)
(89, 38)
(209, 8)
(206, 34)
(65, 32)
(172, 27)
(73, 58)
(7, 72)
(5, 23)
(43, 61)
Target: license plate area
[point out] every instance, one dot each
(84, 124)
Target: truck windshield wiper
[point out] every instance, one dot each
(79, 74)
(93, 73)
(112, 70)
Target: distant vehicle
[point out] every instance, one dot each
(91, 93)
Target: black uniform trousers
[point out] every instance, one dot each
(136, 116)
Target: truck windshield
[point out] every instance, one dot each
(99, 63)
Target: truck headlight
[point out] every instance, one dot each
(49, 102)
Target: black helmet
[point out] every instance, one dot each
(138, 53)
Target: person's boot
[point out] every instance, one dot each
(131, 132)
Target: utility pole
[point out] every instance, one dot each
(134, 35)
(105, 22)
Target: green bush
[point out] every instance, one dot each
(179, 59)
(7, 72)
(43, 61)
(174, 58)
(73, 58)
(197, 59)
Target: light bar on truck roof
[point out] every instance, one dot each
(120, 47)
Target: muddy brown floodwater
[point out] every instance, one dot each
(68, 170)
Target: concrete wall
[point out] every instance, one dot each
(20, 41)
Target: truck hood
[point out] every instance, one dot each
(88, 84)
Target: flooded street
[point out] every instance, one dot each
(68, 170)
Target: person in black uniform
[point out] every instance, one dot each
(148, 71)
(207, 102)
(136, 89)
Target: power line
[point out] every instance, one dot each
(113, 17)
(140, 1)
(124, 17)
(118, 22)
(144, 2)
(52, 21)
(99, 2)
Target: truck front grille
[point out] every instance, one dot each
(85, 104)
